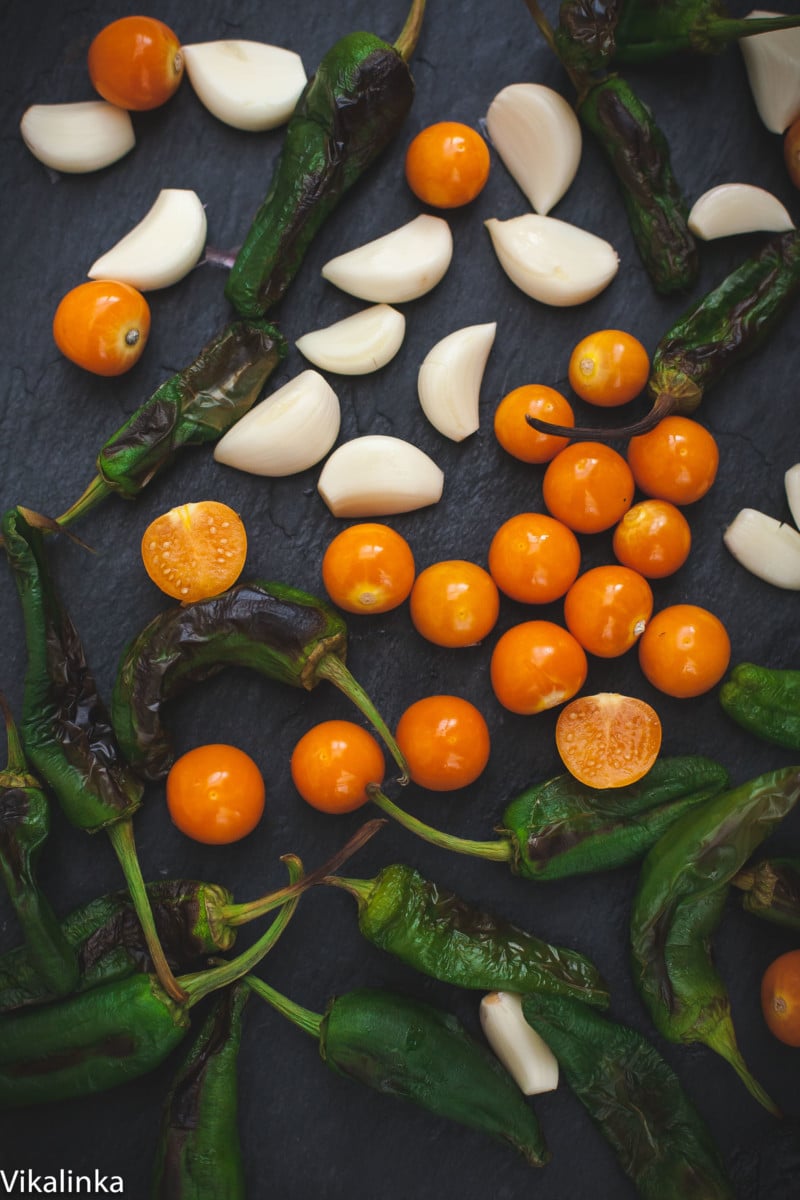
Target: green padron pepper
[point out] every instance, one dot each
(764, 701)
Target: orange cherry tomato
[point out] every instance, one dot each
(102, 326)
(136, 63)
(515, 434)
(368, 568)
(609, 368)
(588, 486)
(445, 740)
(684, 650)
(533, 558)
(607, 609)
(537, 665)
(608, 740)
(332, 764)
(780, 997)
(676, 461)
(215, 794)
(447, 164)
(454, 603)
(653, 538)
(195, 550)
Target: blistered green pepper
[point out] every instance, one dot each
(764, 701)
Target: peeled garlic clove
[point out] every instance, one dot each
(401, 265)
(733, 208)
(449, 380)
(523, 1052)
(768, 548)
(538, 137)
(357, 345)
(792, 481)
(162, 248)
(249, 85)
(78, 137)
(552, 261)
(289, 431)
(376, 475)
(773, 69)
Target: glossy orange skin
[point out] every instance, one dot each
(780, 997)
(514, 433)
(588, 486)
(445, 740)
(368, 568)
(454, 603)
(102, 326)
(136, 63)
(609, 368)
(684, 651)
(533, 558)
(195, 550)
(447, 164)
(535, 666)
(215, 794)
(676, 461)
(608, 740)
(607, 609)
(791, 152)
(653, 538)
(332, 764)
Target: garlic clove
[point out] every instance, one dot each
(76, 138)
(162, 248)
(772, 61)
(357, 345)
(523, 1052)
(401, 265)
(552, 261)
(376, 475)
(732, 208)
(768, 548)
(538, 137)
(792, 482)
(249, 85)
(449, 380)
(289, 431)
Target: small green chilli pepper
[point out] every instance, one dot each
(406, 1048)
(436, 932)
(199, 1154)
(349, 111)
(279, 631)
(562, 828)
(635, 1099)
(192, 407)
(772, 890)
(764, 701)
(679, 901)
(105, 1037)
(24, 826)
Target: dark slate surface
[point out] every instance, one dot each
(305, 1131)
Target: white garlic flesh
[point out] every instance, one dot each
(356, 345)
(77, 138)
(163, 248)
(552, 261)
(248, 85)
(449, 380)
(732, 208)
(402, 265)
(538, 136)
(377, 475)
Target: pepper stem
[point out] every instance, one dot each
(723, 1040)
(497, 851)
(360, 889)
(665, 404)
(121, 836)
(303, 1018)
(332, 668)
(16, 764)
(722, 30)
(406, 43)
(577, 78)
(97, 490)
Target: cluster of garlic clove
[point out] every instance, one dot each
(768, 548)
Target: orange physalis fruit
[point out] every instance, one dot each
(780, 997)
(608, 740)
(195, 550)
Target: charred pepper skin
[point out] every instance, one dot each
(635, 1099)
(771, 889)
(766, 702)
(436, 932)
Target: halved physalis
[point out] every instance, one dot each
(196, 550)
(608, 740)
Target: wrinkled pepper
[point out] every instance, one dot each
(192, 407)
(279, 631)
(772, 890)
(764, 701)
(681, 894)
(24, 826)
(409, 1049)
(199, 1155)
(436, 932)
(634, 1098)
(349, 111)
